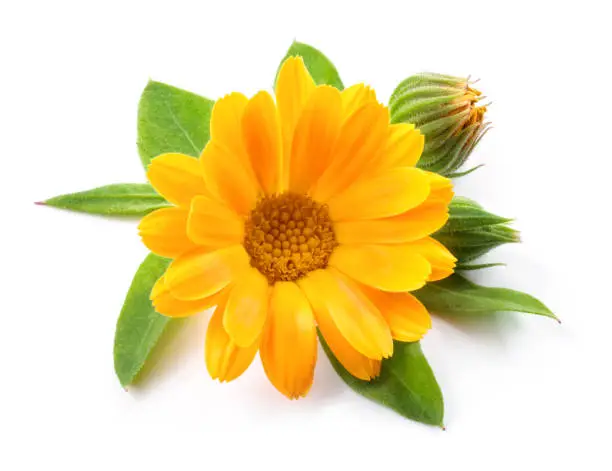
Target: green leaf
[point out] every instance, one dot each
(458, 295)
(139, 327)
(122, 199)
(172, 120)
(320, 67)
(406, 384)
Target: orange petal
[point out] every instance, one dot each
(360, 139)
(225, 360)
(289, 347)
(202, 273)
(294, 86)
(407, 317)
(412, 225)
(394, 268)
(213, 224)
(314, 138)
(386, 194)
(168, 305)
(262, 138)
(177, 177)
(164, 232)
(247, 307)
(357, 319)
(355, 97)
(228, 179)
(441, 260)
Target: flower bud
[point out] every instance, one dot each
(471, 231)
(446, 111)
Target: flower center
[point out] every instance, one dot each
(288, 235)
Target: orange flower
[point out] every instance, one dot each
(303, 213)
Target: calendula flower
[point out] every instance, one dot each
(303, 213)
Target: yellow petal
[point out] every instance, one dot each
(164, 232)
(360, 139)
(262, 138)
(394, 268)
(225, 360)
(226, 125)
(177, 177)
(247, 307)
(202, 273)
(386, 194)
(355, 97)
(213, 224)
(356, 318)
(228, 179)
(441, 260)
(407, 317)
(412, 225)
(314, 138)
(168, 305)
(441, 189)
(289, 347)
(404, 146)
(294, 86)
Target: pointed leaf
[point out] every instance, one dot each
(122, 199)
(172, 120)
(458, 295)
(139, 327)
(406, 384)
(320, 67)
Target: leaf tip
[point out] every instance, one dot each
(40, 203)
(443, 427)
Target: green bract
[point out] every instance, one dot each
(471, 231)
(445, 110)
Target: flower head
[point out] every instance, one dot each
(301, 213)
(448, 111)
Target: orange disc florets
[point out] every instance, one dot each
(289, 235)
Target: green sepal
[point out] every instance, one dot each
(457, 295)
(465, 172)
(406, 384)
(472, 231)
(172, 120)
(471, 244)
(121, 199)
(320, 67)
(477, 266)
(139, 327)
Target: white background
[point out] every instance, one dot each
(522, 392)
